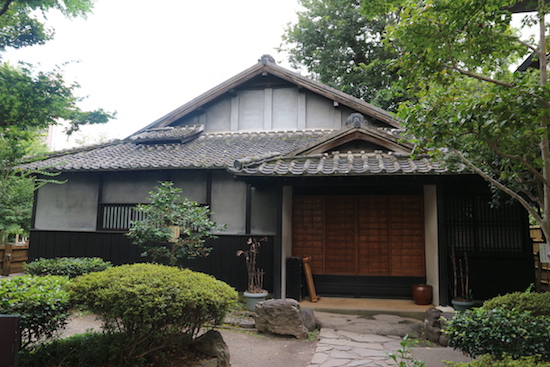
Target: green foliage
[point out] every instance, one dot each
(81, 350)
(500, 332)
(153, 305)
(404, 357)
(30, 101)
(168, 208)
(66, 266)
(536, 303)
(42, 302)
(458, 57)
(20, 23)
(343, 49)
(507, 361)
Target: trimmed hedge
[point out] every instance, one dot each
(66, 266)
(507, 361)
(500, 332)
(153, 304)
(536, 303)
(42, 302)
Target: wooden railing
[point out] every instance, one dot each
(12, 258)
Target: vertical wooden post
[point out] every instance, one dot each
(309, 280)
(7, 259)
(10, 339)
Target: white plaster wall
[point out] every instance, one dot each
(321, 113)
(251, 110)
(228, 202)
(431, 240)
(218, 116)
(192, 184)
(130, 187)
(285, 109)
(69, 206)
(270, 109)
(264, 211)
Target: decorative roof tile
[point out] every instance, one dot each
(337, 164)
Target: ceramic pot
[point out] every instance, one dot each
(422, 294)
(252, 299)
(462, 305)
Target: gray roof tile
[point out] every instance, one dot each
(151, 151)
(340, 164)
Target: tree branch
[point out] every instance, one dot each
(520, 159)
(502, 187)
(479, 77)
(5, 7)
(528, 45)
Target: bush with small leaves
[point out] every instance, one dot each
(500, 332)
(536, 303)
(42, 302)
(90, 349)
(506, 361)
(153, 305)
(66, 266)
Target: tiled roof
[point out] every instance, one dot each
(167, 134)
(214, 150)
(337, 163)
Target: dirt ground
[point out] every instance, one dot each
(246, 348)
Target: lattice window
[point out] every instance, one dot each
(473, 225)
(117, 217)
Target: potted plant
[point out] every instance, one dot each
(462, 294)
(254, 292)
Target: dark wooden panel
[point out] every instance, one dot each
(366, 286)
(222, 262)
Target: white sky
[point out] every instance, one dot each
(145, 58)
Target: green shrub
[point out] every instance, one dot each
(42, 302)
(66, 266)
(500, 332)
(537, 303)
(81, 350)
(151, 304)
(506, 361)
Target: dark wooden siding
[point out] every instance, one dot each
(222, 262)
(495, 237)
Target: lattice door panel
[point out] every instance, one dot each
(360, 235)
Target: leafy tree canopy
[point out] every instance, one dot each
(342, 48)
(458, 57)
(30, 101)
(21, 24)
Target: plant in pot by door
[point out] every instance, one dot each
(462, 294)
(254, 292)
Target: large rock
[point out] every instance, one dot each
(280, 316)
(213, 345)
(434, 323)
(308, 319)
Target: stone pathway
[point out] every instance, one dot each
(359, 341)
(351, 349)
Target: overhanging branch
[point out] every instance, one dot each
(5, 7)
(502, 187)
(479, 77)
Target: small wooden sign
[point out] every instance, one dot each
(544, 252)
(309, 280)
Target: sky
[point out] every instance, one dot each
(143, 59)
